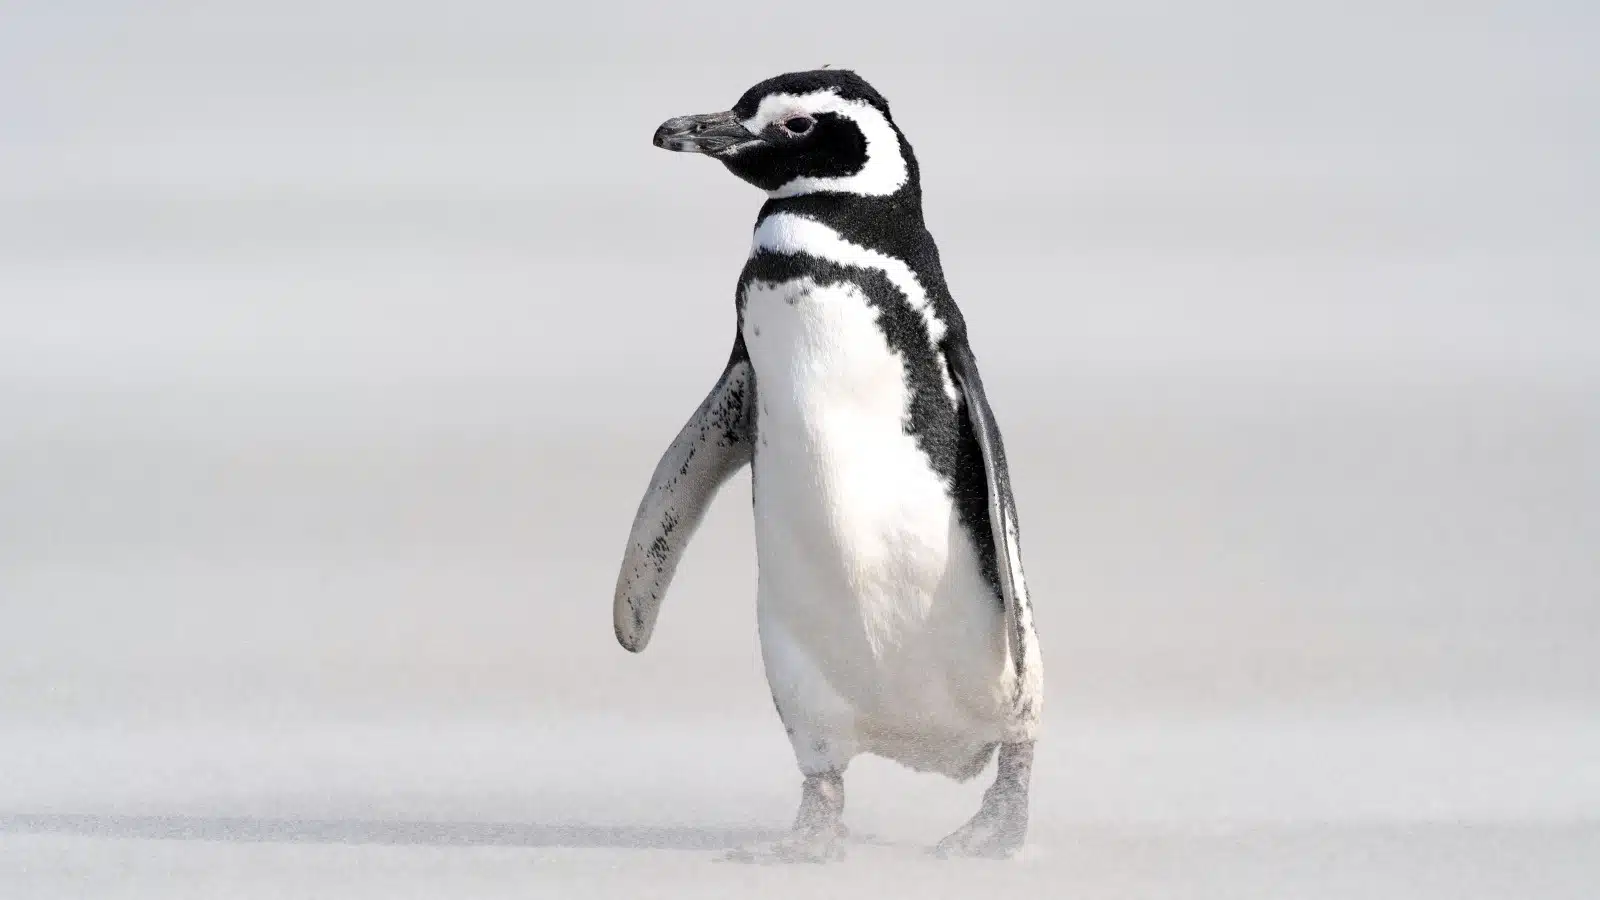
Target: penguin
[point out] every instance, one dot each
(892, 611)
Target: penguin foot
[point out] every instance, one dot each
(818, 834)
(988, 835)
(1001, 825)
(811, 845)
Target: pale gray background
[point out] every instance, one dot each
(338, 339)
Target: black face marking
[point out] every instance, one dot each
(826, 145)
(830, 147)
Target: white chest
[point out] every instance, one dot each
(829, 367)
(844, 496)
(875, 618)
(865, 571)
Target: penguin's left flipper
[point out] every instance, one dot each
(1003, 524)
(715, 443)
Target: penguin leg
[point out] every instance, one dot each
(821, 729)
(1000, 826)
(818, 834)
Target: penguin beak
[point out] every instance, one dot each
(712, 133)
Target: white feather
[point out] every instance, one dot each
(878, 630)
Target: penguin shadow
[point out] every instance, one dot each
(752, 854)
(248, 830)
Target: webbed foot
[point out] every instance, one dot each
(1001, 824)
(818, 834)
(817, 845)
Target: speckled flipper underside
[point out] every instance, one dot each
(713, 444)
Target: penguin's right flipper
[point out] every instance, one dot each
(715, 443)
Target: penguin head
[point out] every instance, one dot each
(826, 130)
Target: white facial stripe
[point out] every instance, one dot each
(790, 234)
(885, 170)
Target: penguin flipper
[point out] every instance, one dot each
(1003, 525)
(713, 444)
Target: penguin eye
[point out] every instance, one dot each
(797, 125)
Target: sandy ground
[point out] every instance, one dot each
(1363, 806)
(1432, 861)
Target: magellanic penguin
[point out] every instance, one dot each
(892, 610)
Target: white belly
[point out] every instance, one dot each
(878, 630)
